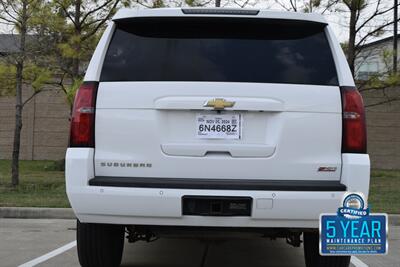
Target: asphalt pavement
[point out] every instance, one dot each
(51, 242)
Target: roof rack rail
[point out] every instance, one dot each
(220, 11)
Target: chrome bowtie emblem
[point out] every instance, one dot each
(219, 103)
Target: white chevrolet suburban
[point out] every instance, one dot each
(213, 121)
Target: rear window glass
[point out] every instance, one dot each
(219, 50)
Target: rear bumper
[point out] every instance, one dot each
(219, 184)
(163, 206)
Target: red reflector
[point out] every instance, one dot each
(354, 138)
(83, 115)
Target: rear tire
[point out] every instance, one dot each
(100, 245)
(312, 257)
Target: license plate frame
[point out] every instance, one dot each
(219, 126)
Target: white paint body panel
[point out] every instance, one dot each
(356, 172)
(152, 206)
(289, 132)
(296, 130)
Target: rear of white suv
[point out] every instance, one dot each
(213, 118)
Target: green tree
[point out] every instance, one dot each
(74, 28)
(366, 19)
(17, 14)
(365, 23)
(7, 79)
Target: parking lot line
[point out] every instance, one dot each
(354, 260)
(357, 262)
(49, 255)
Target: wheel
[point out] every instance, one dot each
(99, 245)
(312, 257)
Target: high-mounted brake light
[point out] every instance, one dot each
(354, 137)
(83, 115)
(219, 11)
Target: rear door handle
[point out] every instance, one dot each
(197, 103)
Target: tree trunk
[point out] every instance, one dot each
(395, 23)
(218, 3)
(18, 126)
(18, 98)
(77, 46)
(351, 51)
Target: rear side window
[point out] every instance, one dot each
(219, 50)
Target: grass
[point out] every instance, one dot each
(384, 193)
(42, 185)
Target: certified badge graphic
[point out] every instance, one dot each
(353, 229)
(353, 206)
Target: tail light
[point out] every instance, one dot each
(354, 138)
(83, 115)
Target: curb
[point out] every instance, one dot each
(36, 213)
(68, 213)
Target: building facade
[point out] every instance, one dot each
(375, 59)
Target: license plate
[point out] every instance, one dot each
(218, 126)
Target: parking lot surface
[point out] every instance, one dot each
(29, 241)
